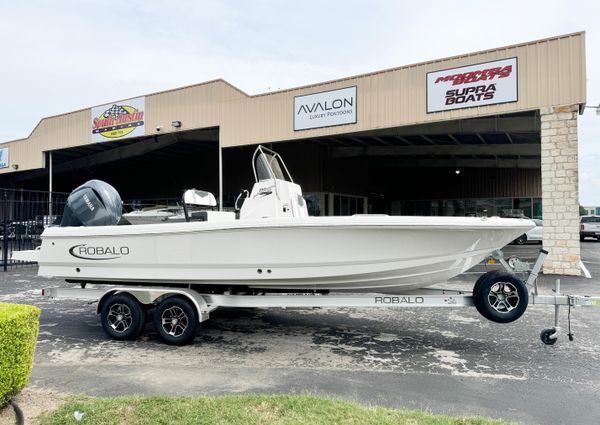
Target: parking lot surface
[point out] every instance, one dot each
(443, 360)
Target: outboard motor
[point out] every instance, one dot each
(94, 203)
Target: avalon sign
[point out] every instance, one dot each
(474, 85)
(335, 107)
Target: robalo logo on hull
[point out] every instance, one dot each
(98, 252)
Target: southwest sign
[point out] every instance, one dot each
(325, 109)
(474, 85)
(118, 120)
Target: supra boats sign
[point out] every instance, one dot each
(118, 120)
(474, 85)
(325, 109)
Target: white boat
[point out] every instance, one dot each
(275, 245)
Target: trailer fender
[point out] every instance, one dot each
(148, 296)
(103, 299)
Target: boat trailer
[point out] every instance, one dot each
(499, 296)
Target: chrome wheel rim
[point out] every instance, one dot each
(503, 297)
(119, 317)
(174, 321)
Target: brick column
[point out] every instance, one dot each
(560, 189)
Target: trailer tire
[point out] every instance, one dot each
(500, 297)
(482, 278)
(545, 336)
(521, 240)
(176, 320)
(123, 317)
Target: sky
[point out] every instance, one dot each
(69, 55)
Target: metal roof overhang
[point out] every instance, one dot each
(500, 141)
(159, 146)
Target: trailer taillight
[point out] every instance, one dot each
(43, 292)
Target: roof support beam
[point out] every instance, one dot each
(427, 139)
(380, 140)
(454, 139)
(464, 163)
(122, 152)
(403, 140)
(520, 149)
(359, 141)
(498, 125)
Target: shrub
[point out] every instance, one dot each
(18, 332)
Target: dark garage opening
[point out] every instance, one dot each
(484, 166)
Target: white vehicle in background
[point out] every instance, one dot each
(589, 226)
(534, 235)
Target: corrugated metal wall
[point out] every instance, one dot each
(551, 72)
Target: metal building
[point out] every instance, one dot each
(486, 133)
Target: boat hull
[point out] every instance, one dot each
(357, 254)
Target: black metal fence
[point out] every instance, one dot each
(24, 214)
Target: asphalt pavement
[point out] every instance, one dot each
(449, 361)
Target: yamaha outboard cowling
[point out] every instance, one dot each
(94, 203)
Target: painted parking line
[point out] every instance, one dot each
(584, 269)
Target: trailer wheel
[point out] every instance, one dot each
(176, 320)
(500, 297)
(545, 337)
(123, 317)
(482, 278)
(521, 240)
